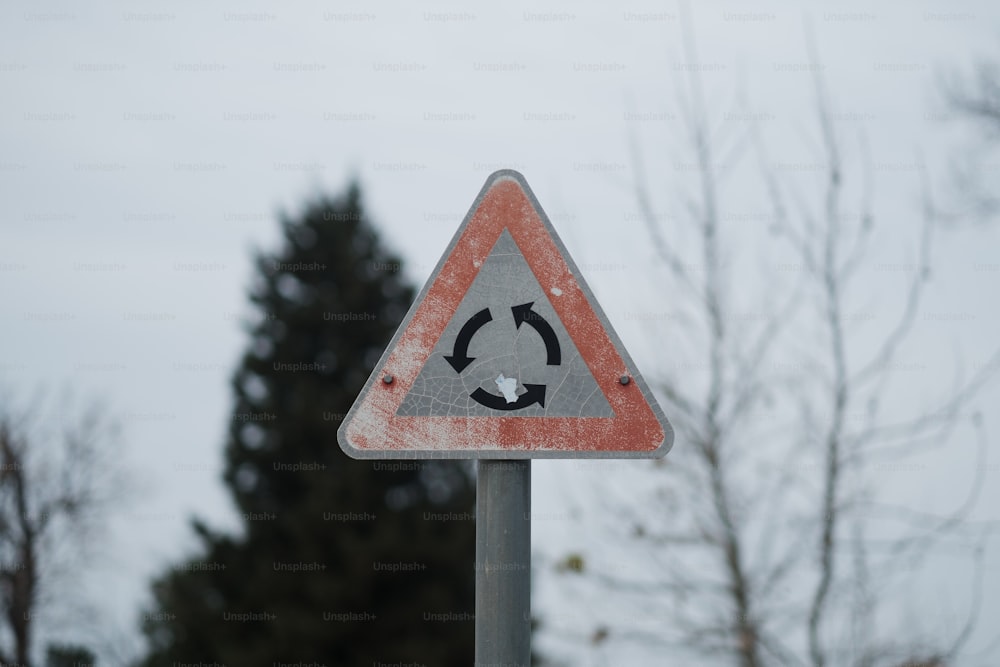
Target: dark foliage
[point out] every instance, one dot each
(340, 562)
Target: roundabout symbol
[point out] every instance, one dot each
(459, 359)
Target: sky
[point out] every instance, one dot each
(146, 149)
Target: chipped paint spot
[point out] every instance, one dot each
(508, 387)
(556, 291)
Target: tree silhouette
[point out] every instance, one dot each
(339, 562)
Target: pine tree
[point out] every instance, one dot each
(340, 562)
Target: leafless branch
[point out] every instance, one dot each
(51, 491)
(785, 570)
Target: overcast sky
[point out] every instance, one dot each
(146, 148)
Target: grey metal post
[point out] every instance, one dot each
(503, 563)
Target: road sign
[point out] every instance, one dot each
(505, 354)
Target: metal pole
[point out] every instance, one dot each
(503, 564)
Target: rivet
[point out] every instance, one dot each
(387, 378)
(624, 379)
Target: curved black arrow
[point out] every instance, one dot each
(524, 313)
(535, 394)
(460, 358)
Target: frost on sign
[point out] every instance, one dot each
(505, 341)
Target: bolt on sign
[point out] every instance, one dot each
(505, 354)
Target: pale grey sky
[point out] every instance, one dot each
(145, 148)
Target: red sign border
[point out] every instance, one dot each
(638, 429)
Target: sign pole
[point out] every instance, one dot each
(503, 563)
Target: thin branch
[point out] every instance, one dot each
(940, 417)
(832, 293)
(882, 360)
(858, 251)
(660, 245)
(975, 607)
(962, 511)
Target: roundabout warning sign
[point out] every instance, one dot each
(505, 354)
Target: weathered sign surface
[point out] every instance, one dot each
(505, 354)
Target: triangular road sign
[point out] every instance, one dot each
(505, 354)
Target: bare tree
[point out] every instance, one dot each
(775, 544)
(58, 475)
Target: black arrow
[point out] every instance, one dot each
(524, 313)
(535, 394)
(460, 358)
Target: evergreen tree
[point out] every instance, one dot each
(340, 562)
(57, 655)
